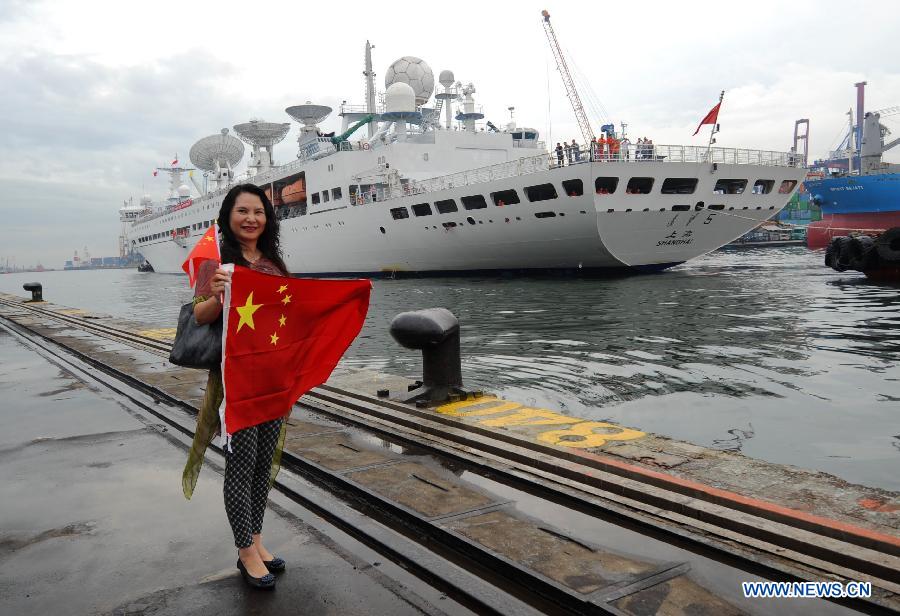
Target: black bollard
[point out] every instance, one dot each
(37, 291)
(436, 332)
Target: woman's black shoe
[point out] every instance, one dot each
(276, 565)
(266, 581)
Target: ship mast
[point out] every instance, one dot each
(370, 87)
(569, 83)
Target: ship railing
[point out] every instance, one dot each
(360, 109)
(530, 144)
(513, 168)
(650, 152)
(407, 188)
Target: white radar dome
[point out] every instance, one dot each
(446, 78)
(184, 191)
(399, 97)
(416, 73)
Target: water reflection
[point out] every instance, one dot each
(763, 351)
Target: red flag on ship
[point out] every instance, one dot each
(710, 118)
(206, 249)
(281, 337)
(155, 172)
(175, 162)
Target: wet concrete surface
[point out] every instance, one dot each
(92, 519)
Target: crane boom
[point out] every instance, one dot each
(568, 82)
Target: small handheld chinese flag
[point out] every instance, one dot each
(206, 249)
(281, 337)
(710, 118)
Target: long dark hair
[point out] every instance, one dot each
(269, 242)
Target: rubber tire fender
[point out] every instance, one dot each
(862, 253)
(841, 258)
(831, 252)
(888, 245)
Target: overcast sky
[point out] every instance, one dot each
(97, 94)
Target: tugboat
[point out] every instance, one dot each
(145, 267)
(770, 234)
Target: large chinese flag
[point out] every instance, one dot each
(205, 249)
(282, 337)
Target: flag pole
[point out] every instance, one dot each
(715, 127)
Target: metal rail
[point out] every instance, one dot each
(469, 446)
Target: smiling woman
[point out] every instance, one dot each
(249, 238)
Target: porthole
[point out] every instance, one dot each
(382, 229)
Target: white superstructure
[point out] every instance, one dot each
(416, 194)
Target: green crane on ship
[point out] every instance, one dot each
(346, 134)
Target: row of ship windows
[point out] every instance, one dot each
(603, 185)
(544, 192)
(182, 231)
(687, 186)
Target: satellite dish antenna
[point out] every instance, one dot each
(310, 116)
(262, 136)
(218, 154)
(443, 99)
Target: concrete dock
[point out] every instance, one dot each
(92, 519)
(590, 517)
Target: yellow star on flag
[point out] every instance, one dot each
(286, 300)
(282, 288)
(282, 320)
(208, 238)
(246, 311)
(274, 339)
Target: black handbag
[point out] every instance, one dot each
(196, 346)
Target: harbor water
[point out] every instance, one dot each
(762, 351)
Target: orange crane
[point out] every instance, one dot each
(568, 82)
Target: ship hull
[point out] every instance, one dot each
(854, 204)
(589, 233)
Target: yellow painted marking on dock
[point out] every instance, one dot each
(530, 417)
(72, 311)
(163, 333)
(458, 409)
(582, 435)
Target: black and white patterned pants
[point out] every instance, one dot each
(247, 468)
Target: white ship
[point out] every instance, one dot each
(427, 190)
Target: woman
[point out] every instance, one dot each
(250, 238)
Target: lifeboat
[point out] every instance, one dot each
(276, 200)
(294, 192)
